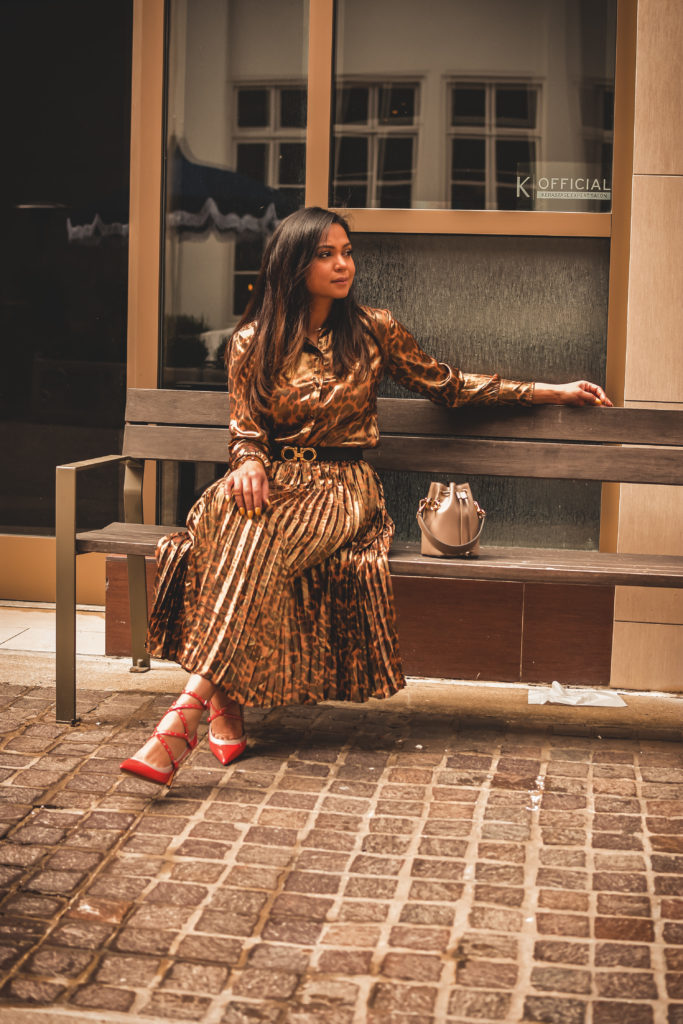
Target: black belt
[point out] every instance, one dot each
(307, 453)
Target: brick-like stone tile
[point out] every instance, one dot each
(412, 967)
(624, 928)
(475, 1004)
(561, 979)
(172, 1006)
(387, 998)
(621, 1013)
(562, 952)
(621, 954)
(265, 984)
(104, 997)
(554, 1010)
(486, 974)
(629, 985)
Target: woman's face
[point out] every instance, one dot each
(332, 271)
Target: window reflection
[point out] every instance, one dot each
(236, 151)
(375, 144)
(236, 148)
(503, 95)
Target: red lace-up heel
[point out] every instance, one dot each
(226, 750)
(164, 778)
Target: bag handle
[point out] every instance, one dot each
(450, 549)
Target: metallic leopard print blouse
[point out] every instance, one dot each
(313, 406)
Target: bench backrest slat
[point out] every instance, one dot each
(470, 456)
(185, 408)
(177, 444)
(421, 417)
(546, 422)
(460, 455)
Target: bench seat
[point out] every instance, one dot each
(520, 565)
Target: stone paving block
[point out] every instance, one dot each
(294, 930)
(193, 977)
(486, 946)
(406, 999)
(345, 961)
(503, 895)
(265, 984)
(357, 910)
(554, 1010)
(31, 990)
(169, 1005)
(104, 997)
(82, 934)
(621, 1013)
(282, 958)
(486, 974)
(373, 888)
(558, 899)
(624, 928)
(561, 979)
(33, 905)
(412, 967)
(478, 1005)
(563, 924)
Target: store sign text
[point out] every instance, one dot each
(563, 188)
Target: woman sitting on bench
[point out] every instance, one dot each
(281, 593)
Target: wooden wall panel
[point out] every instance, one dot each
(659, 88)
(567, 634)
(654, 355)
(459, 629)
(116, 612)
(648, 656)
(463, 629)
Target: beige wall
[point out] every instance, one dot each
(648, 630)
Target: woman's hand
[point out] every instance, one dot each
(248, 485)
(578, 392)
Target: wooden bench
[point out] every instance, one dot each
(600, 444)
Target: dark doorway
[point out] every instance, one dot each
(66, 85)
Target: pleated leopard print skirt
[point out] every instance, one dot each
(293, 608)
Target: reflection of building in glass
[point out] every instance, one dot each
(437, 109)
(503, 85)
(270, 147)
(597, 114)
(375, 144)
(493, 129)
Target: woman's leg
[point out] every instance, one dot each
(153, 752)
(226, 716)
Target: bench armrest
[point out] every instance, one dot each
(91, 463)
(66, 478)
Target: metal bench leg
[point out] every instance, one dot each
(137, 597)
(66, 594)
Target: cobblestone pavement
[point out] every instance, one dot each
(360, 863)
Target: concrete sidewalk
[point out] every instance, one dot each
(452, 854)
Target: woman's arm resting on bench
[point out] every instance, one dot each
(578, 392)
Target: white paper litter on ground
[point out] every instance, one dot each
(577, 696)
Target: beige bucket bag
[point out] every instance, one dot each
(451, 521)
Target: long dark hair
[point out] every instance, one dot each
(280, 302)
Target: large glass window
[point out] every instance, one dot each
(510, 107)
(236, 153)
(236, 150)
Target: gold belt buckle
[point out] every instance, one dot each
(290, 452)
